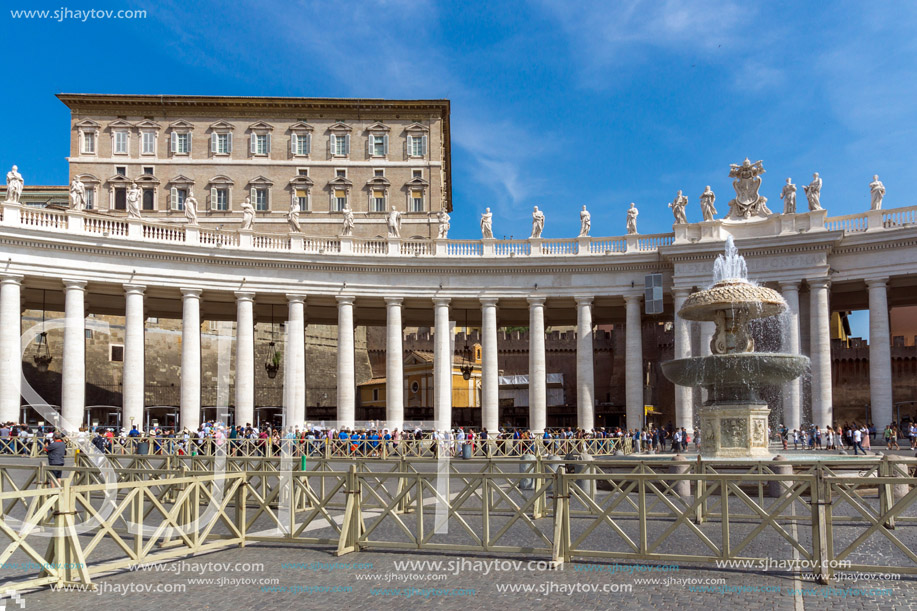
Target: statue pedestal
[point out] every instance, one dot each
(734, 430)
(440, 247)
(584, 245)
(394, 246)
(788, 223)
(535, 247)
(11, 212)
(874, 220)
(489, 246)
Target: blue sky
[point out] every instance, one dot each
(554, 104)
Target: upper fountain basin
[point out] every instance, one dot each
(732, 294)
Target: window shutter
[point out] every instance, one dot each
(268, 151)
(308, 148)
(253, 196)
(189, 143)
(385, 145)
(213, 142)
(410, 149)
(347, 144)
(423, 146)
(293, 139)
(173, 142)
(229, 142)
(213, 198)
(331, 200)
(252, 139)
(369, 146)
(173, 199)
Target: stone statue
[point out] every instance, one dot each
(133, 201)
(191, 209)
(877, 189)
(632, 219)
(248, 214)
(487, 220)
(788, 195)
(443, 219)
(293, 214)
(537, 222)
(747, 203)
(348, 221)
(585, 223)
(14, 185)
(707, 199)
(813, 193)
(678, 208)
(77, 194)
(394, 223)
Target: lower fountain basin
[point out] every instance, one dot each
(735, 377)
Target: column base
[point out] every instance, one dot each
(734, 430)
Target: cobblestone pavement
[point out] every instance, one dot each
(287, 576)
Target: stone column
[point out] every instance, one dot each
(880, 355)
(684, 396)
(245, 358)
(633, 367)
(442, 365)
(73, 369)
(191, 359)
(133, 379)
(820, 331)
(394, 364)
(792, 404)
(585, 358)
(490, 367)
(346, 381)
(538, 371)
(10, 348)
(294, 377)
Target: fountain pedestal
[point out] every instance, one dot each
(734, 430)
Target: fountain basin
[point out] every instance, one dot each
(731, 295)
(735, 378)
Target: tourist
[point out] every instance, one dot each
(913, 435)
(56, 450)
(888, 437)
(858, 441)
(867, 444)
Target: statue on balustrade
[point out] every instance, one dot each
(585, 223)
(632, 219)
(248, 214)
(134, 195)
(537, 222)
(813, 192)
(678, 206)
(747, 203)
(394, 223)
(443, 219)
(77, 194)
(707, 199)
(877, 189)
(788, 195)
(14, 184)
(191, 209)
(293, 214)
(487, 219)
(348, 221)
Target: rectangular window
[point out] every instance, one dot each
(416, 201)
(302, 171)
(417, 146)
(90, 198)
(261, 203)
(377, 145)
(339, 200)
(120, 142)
(340, 145)
(120, 198)
(88, 333)
(221, 144)
(121, 170)
(259, 144)
(89, 143)
(301, 144)
(219, 199)
(148, 170)
(178, 197)
(340, 173)
(302, 198)
(416, 173)
(116, 353)
(148, 199)
(181, 143)
(379, 173)
(149, 143)
(378, 201)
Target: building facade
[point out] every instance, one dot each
(317, 156)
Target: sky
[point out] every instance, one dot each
(554, 104)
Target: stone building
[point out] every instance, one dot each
(317, 155)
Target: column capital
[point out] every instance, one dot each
(394, 301)
(819, 283)
(244, 295)
(536, 301)
(633, 297)
(74, 284)
(582, 300)
(789, 285)
(295, 297)
(442, 301)
(878, 282)
(11, 278)
(134, 289)
(681, 291)
(489, 302)
(345, 299)
(189, 292)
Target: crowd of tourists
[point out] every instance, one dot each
(856, 437)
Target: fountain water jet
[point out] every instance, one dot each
(733, 421)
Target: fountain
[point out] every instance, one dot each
(733, 421)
